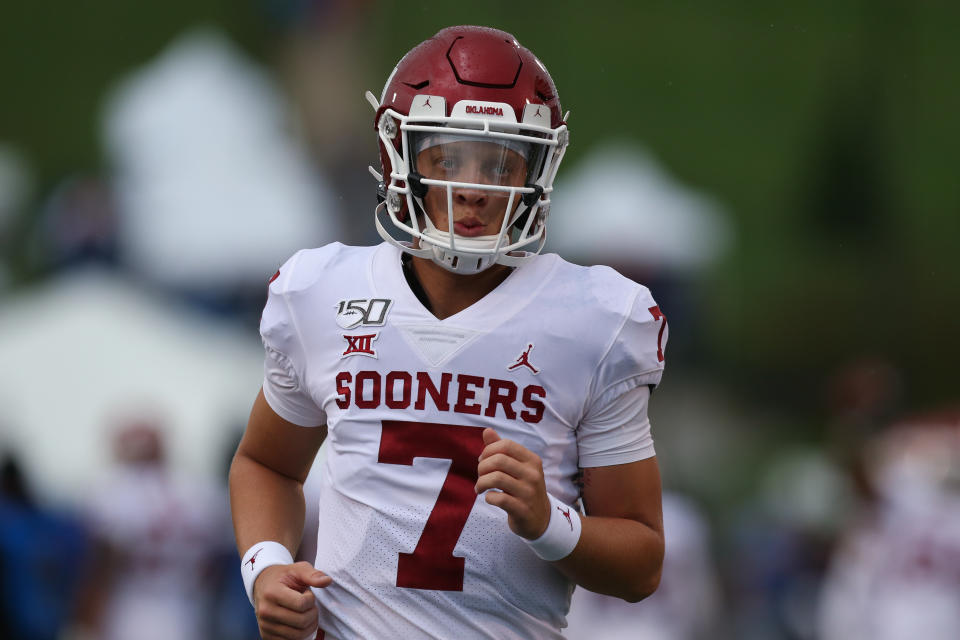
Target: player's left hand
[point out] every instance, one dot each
(518, 474)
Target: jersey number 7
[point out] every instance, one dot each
(658, 315)
(432, 564)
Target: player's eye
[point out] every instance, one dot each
(446, 163)
(500, 171)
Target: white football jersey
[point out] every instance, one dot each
(412, 550)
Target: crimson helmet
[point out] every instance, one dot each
(469, 84)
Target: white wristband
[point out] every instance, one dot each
(562, 533)
(259, 557)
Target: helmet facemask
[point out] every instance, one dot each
(448, 165)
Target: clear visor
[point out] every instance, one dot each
(476, 160)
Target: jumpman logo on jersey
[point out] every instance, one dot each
(253, 559)
(523, 360)
(566, 514)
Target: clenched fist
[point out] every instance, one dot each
(286, 608)
(518, 474)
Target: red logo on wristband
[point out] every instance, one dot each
(566, 514)
(253, 558)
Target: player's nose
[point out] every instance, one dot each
(470, 197)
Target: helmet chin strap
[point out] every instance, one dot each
(479, 255)
(434, 245)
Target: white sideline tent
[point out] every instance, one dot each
(620, 205)
(82, 351)
(214, 188)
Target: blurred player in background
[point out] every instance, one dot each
(685, 607)
(896, 572)
(156, 536)
(448, 363)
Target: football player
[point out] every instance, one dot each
(472, 393)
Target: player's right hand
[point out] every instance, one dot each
(286, 608)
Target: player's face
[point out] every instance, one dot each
(476, 212)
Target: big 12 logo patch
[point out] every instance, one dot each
(362, 312)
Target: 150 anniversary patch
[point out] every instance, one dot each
(362, 312)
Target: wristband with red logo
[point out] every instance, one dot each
(562, 533)
(259, 557)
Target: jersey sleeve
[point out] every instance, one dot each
(284, 358)
(617, 432)
(615, 428)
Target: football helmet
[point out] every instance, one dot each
(469, 111)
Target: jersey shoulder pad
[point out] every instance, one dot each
(305, 268)
(601, 297)
(299, 277)
(636, 353)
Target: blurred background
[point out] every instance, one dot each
(781, 176)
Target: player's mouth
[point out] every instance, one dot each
(469, 228)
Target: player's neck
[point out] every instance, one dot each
(450, 293)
